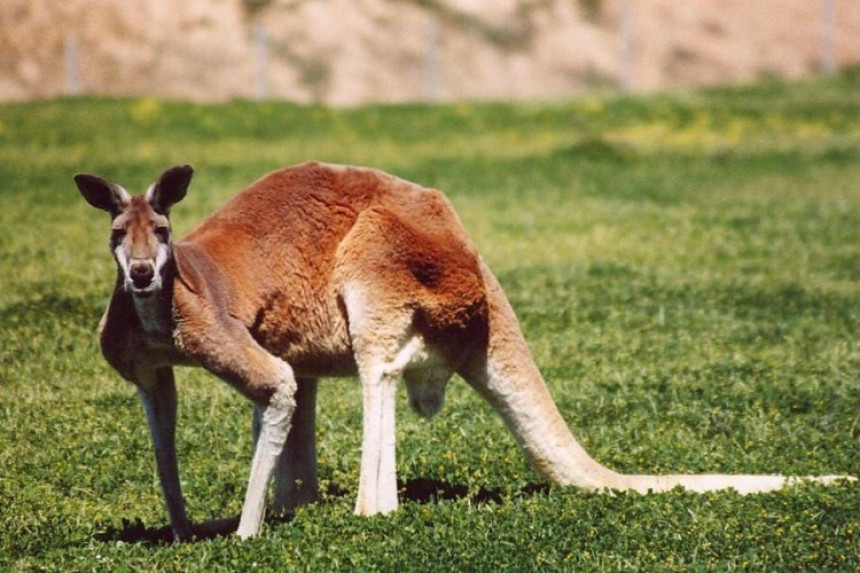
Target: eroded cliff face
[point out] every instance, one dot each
(346, 52)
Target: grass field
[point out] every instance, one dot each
(685, 267)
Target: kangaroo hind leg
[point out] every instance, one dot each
(295, 478)
(385, 347)
(270, 384)
(157, 392)
(402, 288)
(273, 417)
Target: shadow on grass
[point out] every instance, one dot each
(425, 490)
(417, 490)
(136, 532)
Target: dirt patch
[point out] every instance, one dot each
(346, 52)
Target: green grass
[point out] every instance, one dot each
(685, 268)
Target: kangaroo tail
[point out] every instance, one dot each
(505, 374)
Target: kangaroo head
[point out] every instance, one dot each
(140, 237)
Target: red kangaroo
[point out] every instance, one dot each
(321, 270)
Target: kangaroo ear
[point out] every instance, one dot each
(169, 189)
(102, 194)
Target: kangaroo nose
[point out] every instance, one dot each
(141, 274)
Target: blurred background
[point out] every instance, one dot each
(348, 52)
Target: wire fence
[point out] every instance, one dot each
(433, 85)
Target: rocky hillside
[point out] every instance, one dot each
(346, 52)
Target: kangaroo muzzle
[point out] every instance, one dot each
(141, 274)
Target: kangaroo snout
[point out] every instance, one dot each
(141, 274)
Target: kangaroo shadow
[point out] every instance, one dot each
(426, 490)
(135, 531)
(416, 490)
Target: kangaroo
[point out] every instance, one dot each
(321, 271)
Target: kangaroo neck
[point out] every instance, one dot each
(155, 312)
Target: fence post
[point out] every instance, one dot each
(431, 62)
(261, 59)
(828, 31)
(626, 31)
(72, 65)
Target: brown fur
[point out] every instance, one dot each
(290, 304)
(320, 270)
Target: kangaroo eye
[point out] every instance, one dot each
(116, 237)
(163, 234)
